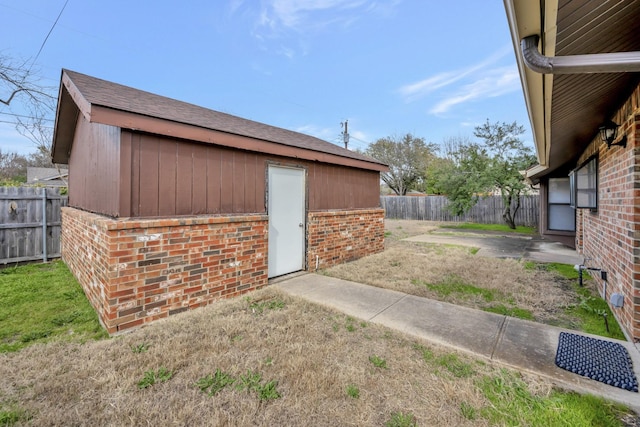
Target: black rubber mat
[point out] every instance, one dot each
(604, 361)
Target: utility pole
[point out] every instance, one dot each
(345, 133)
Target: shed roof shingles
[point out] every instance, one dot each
(118, 97)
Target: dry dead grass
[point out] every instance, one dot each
(309, 350)
(407, 267)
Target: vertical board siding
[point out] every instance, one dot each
(150, 168)
(21, 217)
(250, 185)
(199, 186)
(488, 210)
(238, 181)
(226, 181)
(135, 177)
(94, 167)
(213, 181)
(168, 167)
(169, 177)
(124, 173)
(184, 179)
(124, 185)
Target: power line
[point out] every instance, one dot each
(366, 144)
(22, 116)
(49, 33)
(14, 123)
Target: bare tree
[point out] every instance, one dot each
(31, 103)
(17, 80)
(37, 127)
(13, 166)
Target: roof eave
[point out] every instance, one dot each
(72, 103)
(525, 19)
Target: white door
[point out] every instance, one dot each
(286, 205)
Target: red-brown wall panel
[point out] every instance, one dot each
(238, 181)
(199, 186)
(184, 178)
(175, 177)
(150, 149)
(226, 178)
(94, 168)
(167, 175)
(213, 180)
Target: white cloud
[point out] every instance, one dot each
(491, 83)
(234, 5)
(296, 14)
(485, 79)
(294, 19)
(327, 134)
(417, 90)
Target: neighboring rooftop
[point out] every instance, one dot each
(50, 177)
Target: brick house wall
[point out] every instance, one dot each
(610, 236)
(336, 237)
(135, 271)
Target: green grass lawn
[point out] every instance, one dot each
(43, 302)
(591, 310)
(40, 303)
(513, 405)
(492, 227)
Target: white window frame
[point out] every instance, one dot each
(564, 200)
(584, 185)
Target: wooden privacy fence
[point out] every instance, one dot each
(488, 210)
(30, 223)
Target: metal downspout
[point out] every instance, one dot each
(619, 62)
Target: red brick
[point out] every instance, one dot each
(95, 256)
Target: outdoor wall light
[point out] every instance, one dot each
(609, 133)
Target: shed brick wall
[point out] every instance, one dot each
(336, 237)
(135, 271)
(610, 236)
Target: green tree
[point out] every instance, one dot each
(463, 177)
(494, 164)
(440, 169)
(407, 158)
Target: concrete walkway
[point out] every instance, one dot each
(498, 245)
(519, 344)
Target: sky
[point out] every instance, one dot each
(432, 68)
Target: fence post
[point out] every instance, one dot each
(44, 224)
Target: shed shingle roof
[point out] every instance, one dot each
(102, 93)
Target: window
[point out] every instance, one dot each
(561, 215)
(584, 185)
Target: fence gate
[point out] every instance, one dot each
(30, 220)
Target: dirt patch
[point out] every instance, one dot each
(454, 274)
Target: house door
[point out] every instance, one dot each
(286, 209)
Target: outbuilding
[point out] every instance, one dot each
(173, 206)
